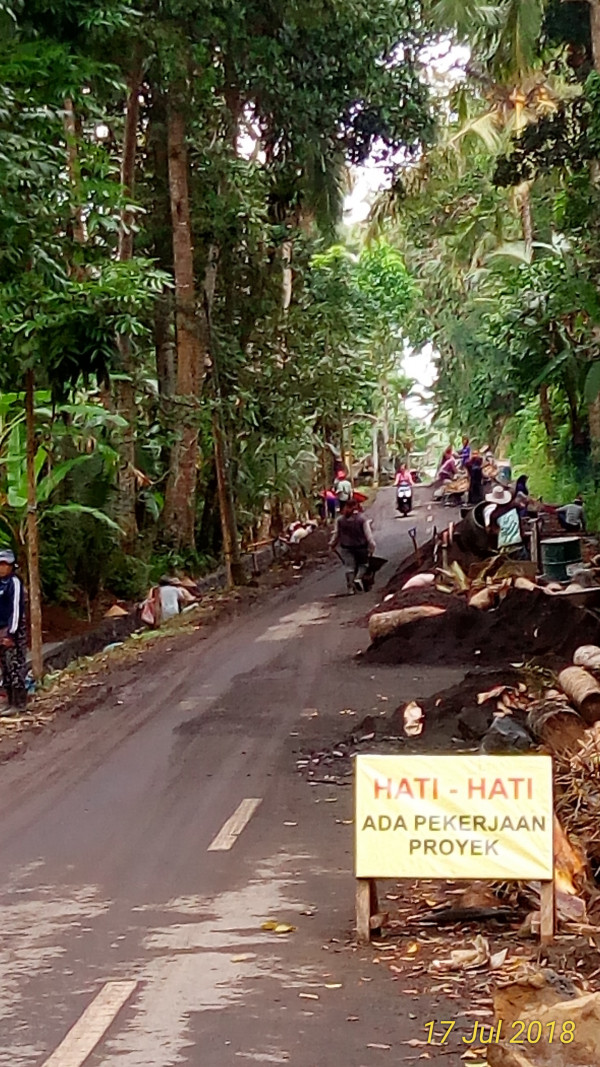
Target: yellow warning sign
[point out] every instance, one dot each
(467, 816)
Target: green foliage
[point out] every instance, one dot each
(313, 87)
(170, 562)
(128, 577)
(501, 234)
(552, 475)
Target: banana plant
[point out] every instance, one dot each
(49, 475)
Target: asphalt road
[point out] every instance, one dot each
(130, 919)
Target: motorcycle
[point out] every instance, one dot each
(404, 498)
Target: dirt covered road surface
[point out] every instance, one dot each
(144, 847)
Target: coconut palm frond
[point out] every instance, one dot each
(516, 47)
(517, 250)
(325, 185)
(485, 127)
(466, 16)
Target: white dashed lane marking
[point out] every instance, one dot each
(231, 830)
(91, 1027)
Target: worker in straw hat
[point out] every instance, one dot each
(503, 519)
(13, 638)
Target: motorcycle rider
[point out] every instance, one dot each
(404, 477)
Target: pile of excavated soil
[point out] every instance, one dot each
(426, 562)
(316, 544)
(455, 713)
(454, 721)
(526, 625)
(413, 597)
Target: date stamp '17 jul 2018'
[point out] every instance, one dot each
(515, 1033)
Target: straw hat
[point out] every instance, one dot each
(499, 495)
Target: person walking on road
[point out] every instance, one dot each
(13, 638)
(353, 539)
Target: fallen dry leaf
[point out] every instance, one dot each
(464, 959)
(497, 691)
(413, 719)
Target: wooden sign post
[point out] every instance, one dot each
(453, 817)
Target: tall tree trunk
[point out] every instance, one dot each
(33, 544)
(180, 502)
(210, 535)
(164, 329)
(547, 416)
(523, 200)
(375, 446)
(164, 347)
(236, 574)
(594, 427)
(594, 405)
(72, 132)
(287, 277)
(578, 434)
(233, 563)
(594, 6)
(125, 390)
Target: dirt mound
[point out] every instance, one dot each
(456, 713)
(411, 566)
(412, 597)
(526, 625)
(315, 545)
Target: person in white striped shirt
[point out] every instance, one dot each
(13, 636)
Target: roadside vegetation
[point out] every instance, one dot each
(189, 333)
(186, 339)
(499, 224)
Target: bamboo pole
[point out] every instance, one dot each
(33, 546)
(236, 574)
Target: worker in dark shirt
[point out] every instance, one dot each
(353, 539)
(474, 466)
(13, 638)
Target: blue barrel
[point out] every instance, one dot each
(560, 557)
